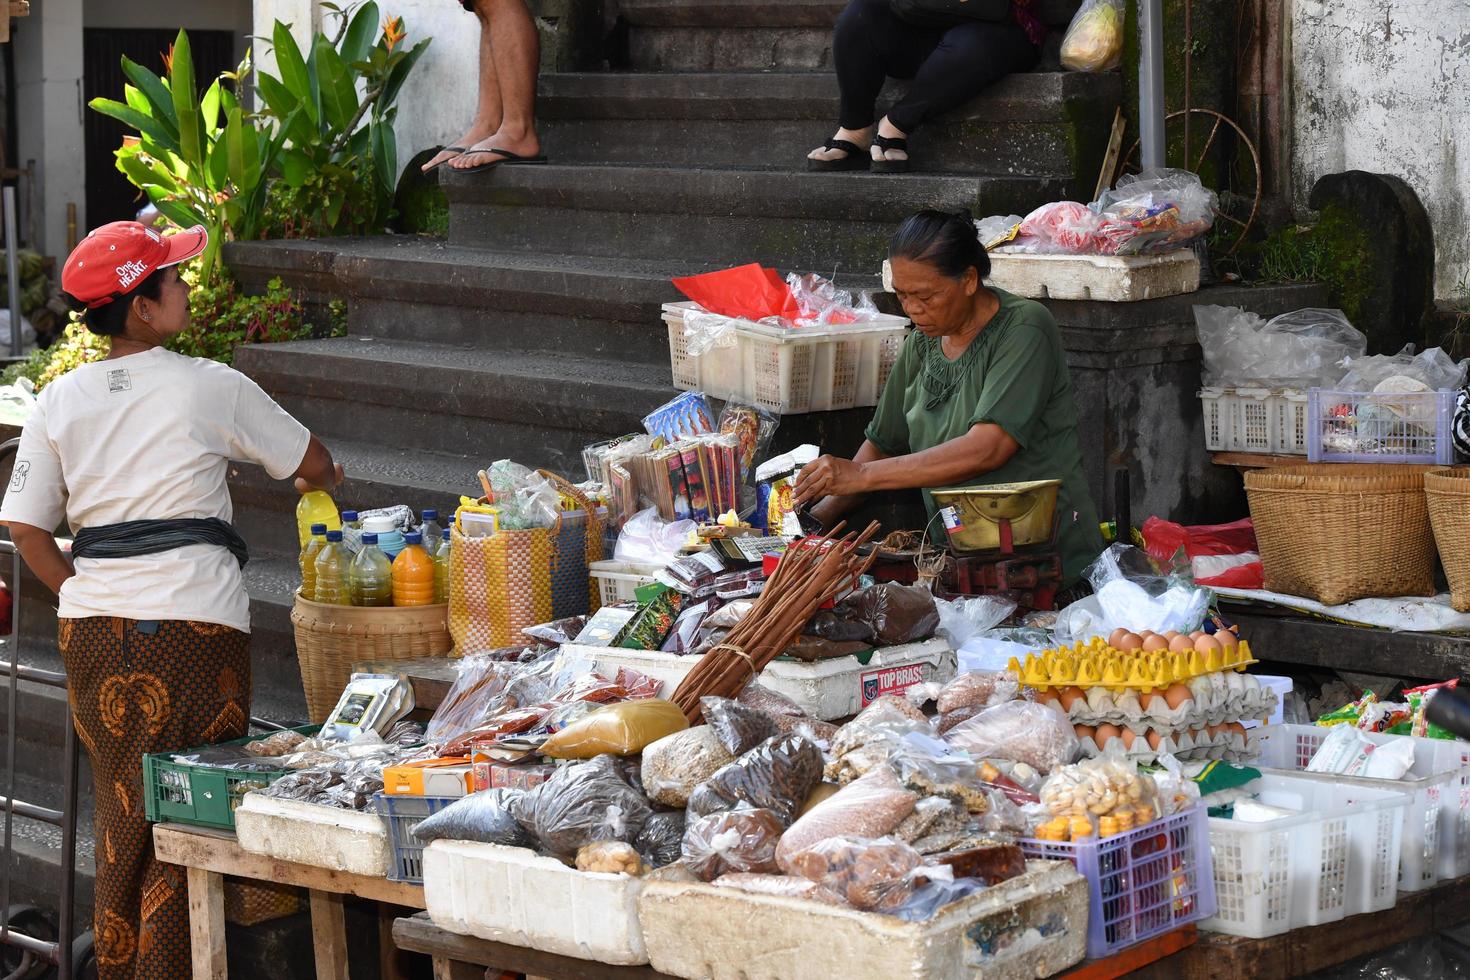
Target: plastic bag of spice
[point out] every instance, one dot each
(484, 817)
(897, 613)
(617, 729)
(872, 875)
(872, 806)
(732, 841)
(661, 841)
(581, 804)
(675, 765)
(779, 774)
(738, 728)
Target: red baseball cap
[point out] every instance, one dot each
(113, 259)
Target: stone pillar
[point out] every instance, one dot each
(47, 47)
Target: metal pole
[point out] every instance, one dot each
(1151, 82)
(12, 270)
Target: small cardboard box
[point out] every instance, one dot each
(444, 778)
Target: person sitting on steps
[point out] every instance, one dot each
(504, 129)
(949, 66)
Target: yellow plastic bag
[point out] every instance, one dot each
(618, 729)
(1094, 39)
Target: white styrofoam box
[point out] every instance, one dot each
(1339, 856)
(306, 833)
(1436, 838)
(790, 371)
(1034, 925)
(983, 653)
(619, 581)
(514, 895)
(825, 689)
(1109, 278)
(1255, 420)
(1282, 686)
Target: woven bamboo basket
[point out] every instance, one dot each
(1448, 494)
(330, 639)
(1336, 532)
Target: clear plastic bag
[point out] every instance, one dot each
(753, 428)
(779, 774)
(484, 817)
(558, 631)
(978, 688)
(929, 898)
(674, 766)
(872, 806)
(1021, 731)
(1130, 594)
(969, 616)
(1433, 369)
(869, 874)
(581, 804)
(525, 498)
(1300, 349)
(996, 229)
(647, 539)
(823, 304)
(704, 332)
(740, 840)
(661, 841)
(686, 414)
(611, 857)
(738, 728)
(617, 729)
(1094, 39)
(897, 613)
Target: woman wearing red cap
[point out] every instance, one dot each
(154, 621)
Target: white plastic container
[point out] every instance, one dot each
(619, 581)
(1109, 278)
(321, 836)
(1436, 837)
(1034, 925)
(514, 895)
(1282, 686)
(826, 689)
(1255, 420)
(1337, 858)
(790, 371)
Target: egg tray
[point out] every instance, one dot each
(1209, 699)
(1184, 746)
(1095, 664)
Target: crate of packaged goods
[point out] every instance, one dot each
(309, 833)
(1333, 854)
(401, 814)
(619, 581)
(1029, 926)
(206, 790)
(1142, 882)
(1381, 427)
(1435, 845)
(1255, 420)
(789, 371)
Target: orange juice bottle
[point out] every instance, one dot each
(413, 573)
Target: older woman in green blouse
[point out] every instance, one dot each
(980, 393)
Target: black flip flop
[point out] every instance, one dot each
(458, 151)
(886, 143)
(856, 159)
(509, 159)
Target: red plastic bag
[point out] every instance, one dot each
(1219, 554)
(747, 291)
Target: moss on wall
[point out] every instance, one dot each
(1336, 249)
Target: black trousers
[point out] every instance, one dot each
(949, 66)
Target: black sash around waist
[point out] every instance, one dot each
(132, 538)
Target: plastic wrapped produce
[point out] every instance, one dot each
(779, 774)
(581, 804)
(1022, 731)
(788, 715)
(978, 688)
(676, 764)
(278, 744)
(1300, 349)
(484, 817)
(1094, 39)
(931, 896)
(611, 857)
(661, 841)
(732, 841)
(969, 616)
(738, 728)
(781, 885)
(869, 874)
(617, 729)
(897, 613)
(872, 806)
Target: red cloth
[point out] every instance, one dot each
(747, 291)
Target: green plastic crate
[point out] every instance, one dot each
(205, 796)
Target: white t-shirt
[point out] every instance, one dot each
(149, 437)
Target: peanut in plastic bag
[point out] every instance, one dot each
(980, 688)
(617, 729)
(674, 766)
(611, 857)
(869, 874)
(741, 840)
(1022, 731)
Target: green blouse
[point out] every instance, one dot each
(1014, 375)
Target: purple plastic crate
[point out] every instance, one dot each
(1381, 427)
(1143, 882)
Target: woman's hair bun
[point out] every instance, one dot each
(947, 240)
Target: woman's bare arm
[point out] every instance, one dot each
(38, 547)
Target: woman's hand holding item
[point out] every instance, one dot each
(318, 471)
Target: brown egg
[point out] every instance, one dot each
(1179, 644)
(1170, 635)
(1046, 696)
(1234, 728)
(1083, 731)
(1155, 702)
(1225, 638)
(1130, 642)
(1129, 736)
(1207, 644)
(1197, 634)
(1105, 733)
(1117, 637)
(1155, 643)
(1176, 694)
(1145, 634)
(1154, 738)
(1069, 696)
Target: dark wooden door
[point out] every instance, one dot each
(109, 195)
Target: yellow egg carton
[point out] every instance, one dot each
(1095, 664)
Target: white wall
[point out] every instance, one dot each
(47, 47)
(1384, 86)
(438, 101)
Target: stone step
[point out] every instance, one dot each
(790, 219)
(483, 402)
(775, 13)
(1035, 123)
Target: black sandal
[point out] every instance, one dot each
(885, 166)
(856, 159)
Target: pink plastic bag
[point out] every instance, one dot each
(1219, 554)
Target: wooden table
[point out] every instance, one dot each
(1255, 461)
(1286, 636)
(458, 957)
(209, 855)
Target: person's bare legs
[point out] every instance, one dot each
(857, 137)
(889, 131)
(487, 109)
(517, 54)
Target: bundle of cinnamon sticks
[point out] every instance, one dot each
(811, 572)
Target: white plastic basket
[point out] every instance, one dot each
(1255, 420)
(1436, 838)
(619, 581)
(790, 371)
(1339, 857)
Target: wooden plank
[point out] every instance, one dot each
(391, 962)
(217, 851)
(420, 935)
(1110, 158)
(1255, 461)
(328, 935)
(431, 677)
(445, 969)
(207, 924)
(1285, 636)
(1123, 964)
